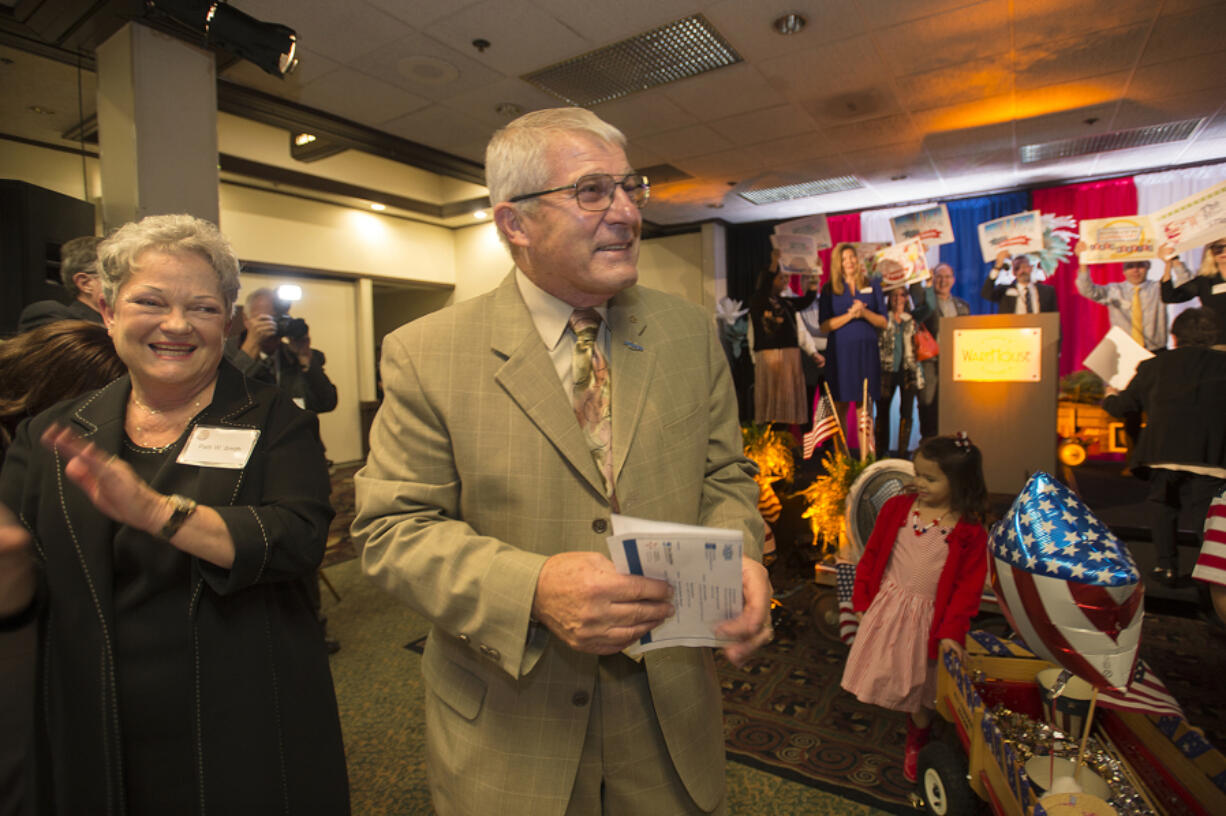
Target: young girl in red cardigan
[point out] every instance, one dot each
(918, 584)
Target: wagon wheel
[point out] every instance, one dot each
(943, 783)
(1072, 453)
(826, 614)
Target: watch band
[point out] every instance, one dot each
(181, 507)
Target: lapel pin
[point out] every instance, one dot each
(632, 346)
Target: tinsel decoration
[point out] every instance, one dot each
(826, 499)
(771, 451)
(733, 324)
(1059, 233)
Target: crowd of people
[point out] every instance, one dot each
(164, 505)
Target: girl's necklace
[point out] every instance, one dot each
(919, 531)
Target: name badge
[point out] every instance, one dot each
(1218, 289)
(867, 290)
(1012, 290)
(211, 446)
(300, 402)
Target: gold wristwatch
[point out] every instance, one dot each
(181, 507)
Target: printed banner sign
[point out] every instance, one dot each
(1019, 233)
(1110, 240)
(930, 226)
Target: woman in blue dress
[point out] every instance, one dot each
(851, 309)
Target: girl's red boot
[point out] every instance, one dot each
(917, 738)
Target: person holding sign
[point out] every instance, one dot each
(900, 371)
(1134, 306)
(779, 376)
(1024, 296)
(852, 309)
(1209, 284)
(169, 521)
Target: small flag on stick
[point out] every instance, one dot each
(825, 425)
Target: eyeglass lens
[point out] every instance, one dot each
(1217, 249)
(595, 192)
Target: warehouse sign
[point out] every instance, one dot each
(997, 355)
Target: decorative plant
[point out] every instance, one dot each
(771, 451)
(1081, 386)
(826, 499)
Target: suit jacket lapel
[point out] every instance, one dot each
(529, 378)
(632, 360)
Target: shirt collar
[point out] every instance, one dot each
(549, 314)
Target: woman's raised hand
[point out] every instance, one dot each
(109, 482)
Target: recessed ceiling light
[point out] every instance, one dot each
(41, 109)
(377, 207)
(479, 214)
(302, 139)
(789, 24)
(428, 70)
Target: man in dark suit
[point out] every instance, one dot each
(1024, 296)
(79, 275)
(1183, 450)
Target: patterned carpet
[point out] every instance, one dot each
(340, 546)
(786, 714)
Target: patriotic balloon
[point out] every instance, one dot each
(1068, 586)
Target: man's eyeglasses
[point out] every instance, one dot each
(595, 192)
(1217, 249)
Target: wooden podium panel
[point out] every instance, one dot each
(1008, 413)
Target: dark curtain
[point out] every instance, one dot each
(964, 255)
(749, 252)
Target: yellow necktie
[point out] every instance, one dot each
(1138, 327)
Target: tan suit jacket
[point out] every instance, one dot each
(479, 471)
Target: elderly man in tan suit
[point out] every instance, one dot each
(486, 500)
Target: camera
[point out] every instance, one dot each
(291, 328)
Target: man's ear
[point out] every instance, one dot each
(510, 222)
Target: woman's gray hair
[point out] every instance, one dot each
(515, 157)
(118, 253)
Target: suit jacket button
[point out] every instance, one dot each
(490, 652)
(600, 525)
(463, 638)
(579, 698)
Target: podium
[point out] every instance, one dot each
(1000, 384)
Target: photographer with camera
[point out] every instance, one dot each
(276, 348)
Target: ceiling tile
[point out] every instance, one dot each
(853, 105)
(380, 102)
(421, 65)
(1040, 21)
(1182, 75)
(444, 129)
(872, 133)
(1069, 124)
(950, 38)
(959, 163)
(602, 23)
(1100, 93)
(340, 31)
(728, 165)
(694, 140)
(876, 10)
(1143, 112)
(522, 37)
(822, 71)
(988, 122)
(791, 149)
(974, 80)
(31, 82)
(419, 13)
(482, 102)
(644, 113)
(639, 156)
(730, 90)
(748, 26)
(311, 66)
(1200, 31)
(764, 125)
(1094, 54)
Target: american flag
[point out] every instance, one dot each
(868, 440)
(825, 425)
(845, 581)
(1211, 563)
(1147, 694)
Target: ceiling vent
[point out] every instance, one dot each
(1119, 140)
(678, 50)
(802, 189)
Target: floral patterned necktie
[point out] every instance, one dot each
(592, 393)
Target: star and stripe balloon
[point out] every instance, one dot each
(1067, 584)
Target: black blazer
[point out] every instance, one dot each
(1006, 296)
(1183, 392)
(42, 312)
(265, 726)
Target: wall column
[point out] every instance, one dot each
(157, 127)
